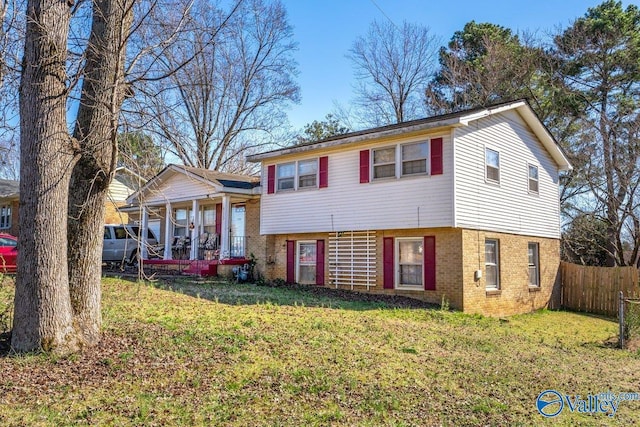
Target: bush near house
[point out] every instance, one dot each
(207, 353)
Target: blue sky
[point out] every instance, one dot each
(325, 30)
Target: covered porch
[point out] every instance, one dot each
(197, 215)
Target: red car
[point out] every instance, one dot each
(8, 253)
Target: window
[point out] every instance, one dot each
(533, 179)
(286, 176)
(414, 158)
(5, 216)
(384, 163)
(534, 264)
(307, 173)
(306, 271)
(492, 162)
(410, 262)
(209, 219)
(181, 222)
(492, 263)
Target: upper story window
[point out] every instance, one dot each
(384, 163)
(414, 158)
(5, 216)
(286, 176)
(533, 178)
(307, 173)
(492, 165)
(310, 173)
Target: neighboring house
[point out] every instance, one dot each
(461, 208)
(218, 212)
(124, 183)
(9, 199)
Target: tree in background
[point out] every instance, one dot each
(138, 152)
(393, 66)
(319, 130)
(584, 241)
(482, 64)
(230, 96)
(598, 61)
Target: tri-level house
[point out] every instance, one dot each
(462, 208)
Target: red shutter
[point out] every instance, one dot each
(324, 172)
(271, 179)
(387, 255)
(320, 262)
(364, 166)
(219, 219)
(291, 261)
(430, 263)
(436, 156)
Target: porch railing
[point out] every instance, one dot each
(209, 248)
(237, 247)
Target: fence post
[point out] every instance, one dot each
(621, 319)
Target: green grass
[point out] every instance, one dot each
(189, 353)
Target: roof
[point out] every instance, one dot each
(221, 181)
(456, 119)
(9, 188)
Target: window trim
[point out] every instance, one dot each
(427, 158)
(492, 287)
(396, 262)
(535, 265)
(299, 243)
(486, 165)
(529, 179)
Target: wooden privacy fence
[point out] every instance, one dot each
(596, 289)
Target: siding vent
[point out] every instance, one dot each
(352, 258)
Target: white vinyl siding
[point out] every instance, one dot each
(505, 208)
(177, 186)
(414, 202)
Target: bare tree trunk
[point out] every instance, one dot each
(43, 317)
(96, 131)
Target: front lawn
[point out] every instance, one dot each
(212, 353)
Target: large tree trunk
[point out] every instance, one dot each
(43, 316)
(96, 131)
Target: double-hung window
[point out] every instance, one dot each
(384, 163)
(492, 263)
(414, 158)
(5, 216)
(307, 173)
(533, 179)
(181, 222)
(492, 165)
(410, 261)
(534, 264)
(286, 176)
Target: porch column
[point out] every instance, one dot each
(195, 236)
(168, 232)
(142, 247)
(225, 231)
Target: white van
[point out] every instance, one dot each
(121, 243)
